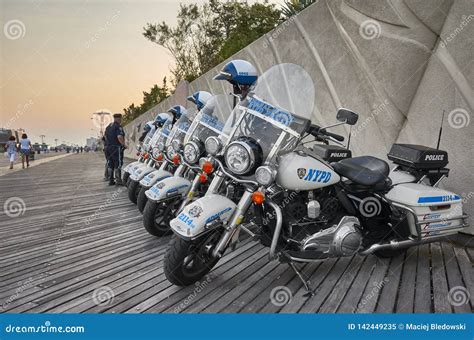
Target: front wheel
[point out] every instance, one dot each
(125, 177)
(133, 190)
(187, 262)
(142, 199)
(157, 217)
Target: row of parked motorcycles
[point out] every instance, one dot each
(253, 162)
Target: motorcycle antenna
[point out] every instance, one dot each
(440, 130)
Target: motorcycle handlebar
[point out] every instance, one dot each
(317, 132)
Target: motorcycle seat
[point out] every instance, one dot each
(364, 170)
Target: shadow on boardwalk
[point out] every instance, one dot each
(76, 245)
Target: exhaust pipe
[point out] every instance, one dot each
(404, 244)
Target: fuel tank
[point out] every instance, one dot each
(300, 171)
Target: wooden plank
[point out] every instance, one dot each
(340, 290)
(423, 300)
(350, 302)
(466, 267)
(406, 294)
(440, 284)
(388, 295)
(313, 304)
(458, 293)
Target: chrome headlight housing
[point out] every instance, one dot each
(170, 151)
(265, 175)
(160, 146)
(242, 156)
(176, 144)
(192, 152)
(155, 152)
(213, 145)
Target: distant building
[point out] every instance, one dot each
(92, 143)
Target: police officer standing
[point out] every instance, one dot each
(115, 145)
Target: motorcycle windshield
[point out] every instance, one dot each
(277, 112)
(211, 119)
(181, 127)
(149, 136)
(162, 134)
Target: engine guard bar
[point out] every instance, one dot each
(228, 174)
(276, 234)
(418, 223)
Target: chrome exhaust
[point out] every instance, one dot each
(405, 243)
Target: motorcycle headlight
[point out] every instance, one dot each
(213, 145)
(176, 145)
(192, 152)
(170, 151)
(160, 146)
(155, 152)
(240, 157)
(265, 175)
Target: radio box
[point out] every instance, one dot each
(418, 156)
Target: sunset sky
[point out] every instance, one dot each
(63, 60)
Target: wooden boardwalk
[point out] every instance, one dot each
(78, 246)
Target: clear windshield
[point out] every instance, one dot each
(181, 127)
(211, 119)
(278, 110)
(149, 136)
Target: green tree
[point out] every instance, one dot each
(210, 33)
(292, 7)
(150, 99)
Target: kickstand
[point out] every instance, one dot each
(309, 292)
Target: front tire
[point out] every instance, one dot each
(187, 262)
(157, 217)
(142, 199)
(125, 177)
(133, 190)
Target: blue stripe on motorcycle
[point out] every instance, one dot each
(438, 199)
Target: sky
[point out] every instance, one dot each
(63, 60)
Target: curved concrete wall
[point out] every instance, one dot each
(398, 63)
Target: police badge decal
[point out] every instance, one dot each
(195, 211)
(301, 172)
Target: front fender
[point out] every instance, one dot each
(153, 177)
(192, 221)
(170, 186)
(131, 166)
(141, 172)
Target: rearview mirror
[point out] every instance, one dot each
(347, 116)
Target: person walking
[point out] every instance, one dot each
(25, 149)
(115, 143)
(11, 150)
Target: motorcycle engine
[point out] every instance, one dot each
(343, 239)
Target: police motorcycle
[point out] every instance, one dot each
(199, 98)
(155, 158)
(171, 194)
(307, 209)
(152, 129)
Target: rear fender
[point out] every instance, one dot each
(153, 177)
(168, 187)
(207, 210)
